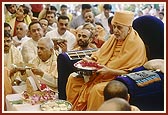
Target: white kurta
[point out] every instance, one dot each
(71, 39)
(104, 21)
(49, 68)
(14, 56)
(29, 50)
(21, 42)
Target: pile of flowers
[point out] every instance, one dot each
(43, 95)
(88, 65)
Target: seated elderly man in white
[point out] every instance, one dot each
(45, 64)
(21, 35)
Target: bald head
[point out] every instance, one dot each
(24, 25)
(115, 104)
(115, 89)
(45, 48)
(21, 30)
(84, 38)
(47, 42)
(85, 32)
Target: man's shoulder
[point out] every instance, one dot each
(68, 33)
(29, 43)
(78, 17)
(15, 38)
(26, 38)
(52, 31)
(111, 14)
(98, 16)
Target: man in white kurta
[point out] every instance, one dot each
(11, 54)
(21, 35)
(29, 49)
(103, 17)
(45, 64)
(62, 33)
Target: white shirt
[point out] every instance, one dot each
(49, 68)
(52, 27)
(29, 50)
(104, 20)
(22, 41)
(71, 39)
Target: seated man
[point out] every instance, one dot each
(29, 49)
(98, 34)
(117, 89)
(43, 67)
(21, 35)
(68, 40)
(84, 38)
(65, 66)
(11, 56)
(120, 54)
(45, 64)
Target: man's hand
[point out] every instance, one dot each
(63, 46)
(37, 71)
(104, 71)
(88, 59)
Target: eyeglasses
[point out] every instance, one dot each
(84, 36)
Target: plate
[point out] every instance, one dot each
(91, 66)
(59, 40)
(56, 105)
(21, 66)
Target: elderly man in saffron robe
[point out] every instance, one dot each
(120, 54)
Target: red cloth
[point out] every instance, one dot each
(37, 7)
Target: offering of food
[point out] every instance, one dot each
(83, 65)
(56, 105)
(22, 66)
(59, 40)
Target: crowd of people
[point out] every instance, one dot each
(35, 34)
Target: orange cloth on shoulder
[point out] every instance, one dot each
(132, 53)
